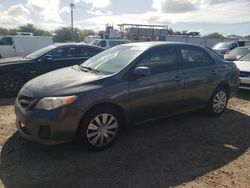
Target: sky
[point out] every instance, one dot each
(206, 16)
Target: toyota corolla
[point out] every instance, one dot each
(127, 84)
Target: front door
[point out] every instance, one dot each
(160, 93)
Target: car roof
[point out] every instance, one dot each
(160, 43)
(77, 44)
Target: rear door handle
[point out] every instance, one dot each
(178, 79)
(214, 72)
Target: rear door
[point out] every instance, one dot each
(200, 74)
(160, 93)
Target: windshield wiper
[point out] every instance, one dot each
(90, 69)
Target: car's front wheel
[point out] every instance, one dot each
(10, 84)
(100, 128)
(218, 101)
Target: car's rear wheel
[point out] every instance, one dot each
(218, 101)
(100, 128)
(10, 84)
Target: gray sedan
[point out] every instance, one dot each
(127, 84)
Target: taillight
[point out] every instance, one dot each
(238, 71)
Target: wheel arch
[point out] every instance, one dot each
(113, 105)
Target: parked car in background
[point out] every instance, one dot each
(22, 45)
(225, 47)
(14, 72)
(130, 83)
(237, 53)
(108, 43)
(244, 66)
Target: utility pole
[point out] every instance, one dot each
(72, 6)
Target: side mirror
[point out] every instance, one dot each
(142, 71)
(47, 58)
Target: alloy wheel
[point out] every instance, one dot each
(219, 102)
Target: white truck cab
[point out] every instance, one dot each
(22, 44)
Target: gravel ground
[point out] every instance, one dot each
(188, 150)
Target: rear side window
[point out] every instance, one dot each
(103, 43)
(6, 41)
(160, 60)
(113, 43)
(195, 58)
(67, 52)
(87, 52)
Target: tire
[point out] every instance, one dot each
(10, 84)
(100, 128)
(218, 102)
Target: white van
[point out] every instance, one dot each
(108, 43)
(22, 45)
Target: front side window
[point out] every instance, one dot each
(160, 60)
(6, 41)
(195, 58)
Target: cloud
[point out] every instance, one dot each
(229, 12)
(14, 16)
(98, 12)
(47, 10)
(65, 9)
(176, 6)
(96, 3)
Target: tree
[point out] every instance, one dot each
(64, 34)
(247, 37)
(32, 29)
(215, 36)
(4, 31)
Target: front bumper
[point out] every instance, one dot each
(47, 127)
(245, 83)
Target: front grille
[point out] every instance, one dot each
(25, 101)
(244, 74)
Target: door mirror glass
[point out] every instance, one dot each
(47, 58)
(142, 71)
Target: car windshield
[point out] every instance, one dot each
(246, 57)
(40, 52)
(239, 51)
(115, 59)
(222, 45)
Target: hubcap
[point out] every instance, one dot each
(220, 101)
(102, 130)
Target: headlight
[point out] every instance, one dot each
(51, 103)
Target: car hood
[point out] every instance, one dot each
(231, 57)
(61, 82)
(243, 65)
(13, 60)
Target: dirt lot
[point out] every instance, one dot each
(189, 150)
